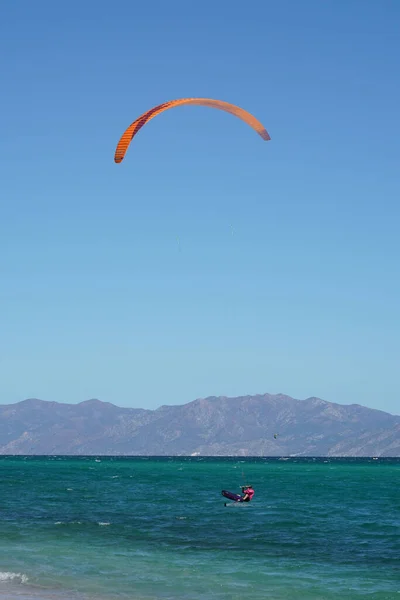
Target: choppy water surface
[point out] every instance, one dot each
(148, 528)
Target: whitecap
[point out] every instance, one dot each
(9, 576)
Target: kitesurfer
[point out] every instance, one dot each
(248, 492)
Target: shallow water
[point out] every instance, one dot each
(156, 528)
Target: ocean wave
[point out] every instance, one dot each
(102, 523)
(9, 576)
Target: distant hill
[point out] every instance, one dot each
(215, 426)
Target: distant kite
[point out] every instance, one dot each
(133, 129)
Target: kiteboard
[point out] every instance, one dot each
(232, 496)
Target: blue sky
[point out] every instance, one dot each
(209, 262)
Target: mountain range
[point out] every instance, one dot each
(260, 425)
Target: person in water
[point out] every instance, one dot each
(248, 492)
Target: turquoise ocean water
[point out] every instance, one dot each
(156, 528)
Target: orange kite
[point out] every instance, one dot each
(133, 129)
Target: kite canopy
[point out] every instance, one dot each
(133, 129)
